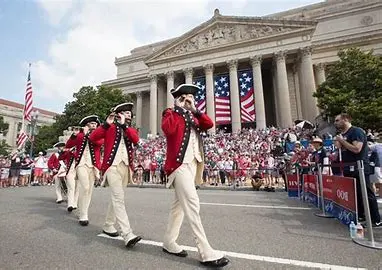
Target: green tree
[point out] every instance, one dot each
(88, 100)
(4, 148)
(3, 126)
(46, 138)
(354, 85)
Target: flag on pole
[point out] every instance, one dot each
(21, 139)
(247, 101)
(27, 113)
(28, 99)
(222, 99)
(200, 97)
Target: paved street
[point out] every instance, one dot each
(258, 230)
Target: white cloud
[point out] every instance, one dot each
(56, 9)
(91, 33)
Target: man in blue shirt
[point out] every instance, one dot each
(353, 144)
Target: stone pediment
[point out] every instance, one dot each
(223, 31)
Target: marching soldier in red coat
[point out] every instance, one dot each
(56, 167)
(184, 166)
(117, 167)
(68, 157)
(88, 163)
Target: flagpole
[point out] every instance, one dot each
(23, 117)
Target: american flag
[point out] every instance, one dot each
(21, 139)
(27, 114)
(28, 99)
(222, 99)
(200, 97)
(247, 102)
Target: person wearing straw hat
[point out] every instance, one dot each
(88, 163)
(184, 166)
(56, 168)
(117, 166)
(73, 193)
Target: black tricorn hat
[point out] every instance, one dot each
(184, 89)
(88, 119)
(59, 144)
(123, 107)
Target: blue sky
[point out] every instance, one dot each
(73, 43)
(25, 37)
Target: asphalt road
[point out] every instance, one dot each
(257, 230)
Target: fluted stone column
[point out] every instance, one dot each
(320, 73)
(307, 85)
(283, 91)
(170, 85)
(188, 73)
(234, 96)
(12, 132)
(138, 116)
(210, 97)
(261, 122)
(153, 103)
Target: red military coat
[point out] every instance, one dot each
(54, 163)
(68, 158)
(176, 125)
(80, 142)
(112, 135)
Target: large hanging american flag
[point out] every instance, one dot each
(222, 99)
(200, 97)
(247, 101)
(27, 113)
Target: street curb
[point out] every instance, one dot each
(203, 188)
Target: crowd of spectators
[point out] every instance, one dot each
(231, 159)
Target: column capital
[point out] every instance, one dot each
(139, 94)
(208, 68)
(320, 66)
(170, 75)
(189, 71)
(306, 51)
(153, 77)
(232, 64)
(280, 55)
(256, 60)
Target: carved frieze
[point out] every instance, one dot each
(222, 34)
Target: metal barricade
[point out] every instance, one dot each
(369, 241)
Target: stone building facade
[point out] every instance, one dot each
(287, 52)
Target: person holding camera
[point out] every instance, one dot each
(184, 166)
(117, 168)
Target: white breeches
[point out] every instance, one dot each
(186, 203)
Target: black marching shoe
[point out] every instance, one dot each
(377, 224)
(70, 209)
(84, 222)
(216, 263)
(114, 234)
(59, 201)
(133, 241)
(183, 253)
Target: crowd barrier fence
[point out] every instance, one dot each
(336, 196)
